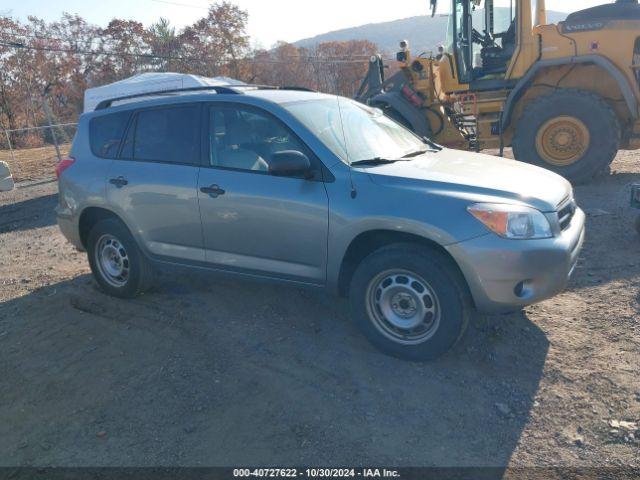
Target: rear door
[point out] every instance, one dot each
(253, 221)
(153, 183)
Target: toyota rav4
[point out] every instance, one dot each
(316, 190)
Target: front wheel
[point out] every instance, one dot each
(572, 132)
(411, 302)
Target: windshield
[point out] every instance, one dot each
(355, 132)
(500, 22)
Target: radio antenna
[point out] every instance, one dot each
(354, 192)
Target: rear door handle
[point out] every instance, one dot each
(119, 182)
(213, 191)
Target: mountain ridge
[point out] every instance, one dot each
(423, 32)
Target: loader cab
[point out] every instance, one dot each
(481, 37)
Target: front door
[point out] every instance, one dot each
(153, 185)
(255, 222)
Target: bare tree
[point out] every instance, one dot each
(61, 59)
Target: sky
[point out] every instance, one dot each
(269, 20)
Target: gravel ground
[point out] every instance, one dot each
(207, 371)
(31, 164)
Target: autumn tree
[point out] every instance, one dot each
(340, 66)
(164, 45)
(59, 60)
(214, 44)
(333, 67)
(9, 74)
(124, 50)
(78, 39)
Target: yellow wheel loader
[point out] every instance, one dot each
(565, 97)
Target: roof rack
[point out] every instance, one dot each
(286, 87)
(297, 89)
(222, 89)
(218, 89)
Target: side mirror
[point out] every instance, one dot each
(6, 179)
(290, 163)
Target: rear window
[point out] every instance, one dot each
(106, 134)
(170, 135)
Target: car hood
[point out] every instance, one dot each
(476, 175)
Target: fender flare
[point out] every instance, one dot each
(416, 117)
(520, 89)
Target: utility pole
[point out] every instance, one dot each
(47, 112)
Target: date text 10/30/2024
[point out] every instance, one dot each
(315, 473)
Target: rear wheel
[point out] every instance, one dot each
(117, 263)
(410, 302)
(573, 133)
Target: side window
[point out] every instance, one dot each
(105, 134)
(246, 139)
(168, 135)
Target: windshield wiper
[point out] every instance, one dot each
(432, 144)
(417, 153)
(372, 161)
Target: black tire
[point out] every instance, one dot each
(443, 280)
(592, 110)
(139, 271)
(393, 114)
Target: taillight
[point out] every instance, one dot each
(63, 164)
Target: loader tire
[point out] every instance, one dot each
(571, 132)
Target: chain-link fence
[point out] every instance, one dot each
(33, 152)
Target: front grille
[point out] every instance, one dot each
(566, 213)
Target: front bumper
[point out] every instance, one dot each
(507, 274)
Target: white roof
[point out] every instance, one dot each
(150, 82)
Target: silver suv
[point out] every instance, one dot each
(316, 190)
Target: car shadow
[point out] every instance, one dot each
(29, 214)
(203, 371)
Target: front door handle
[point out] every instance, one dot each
(119, 182)
(213, 191)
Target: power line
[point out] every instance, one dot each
(115, 41)
(94, 52)
(150, 56)
(37, 36)
(286, 62)
(190, 5)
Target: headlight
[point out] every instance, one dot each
(512, 221)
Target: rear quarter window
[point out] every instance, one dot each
(106, 133)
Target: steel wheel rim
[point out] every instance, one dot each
(563, 141)
(112, 260)
(403, 307)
